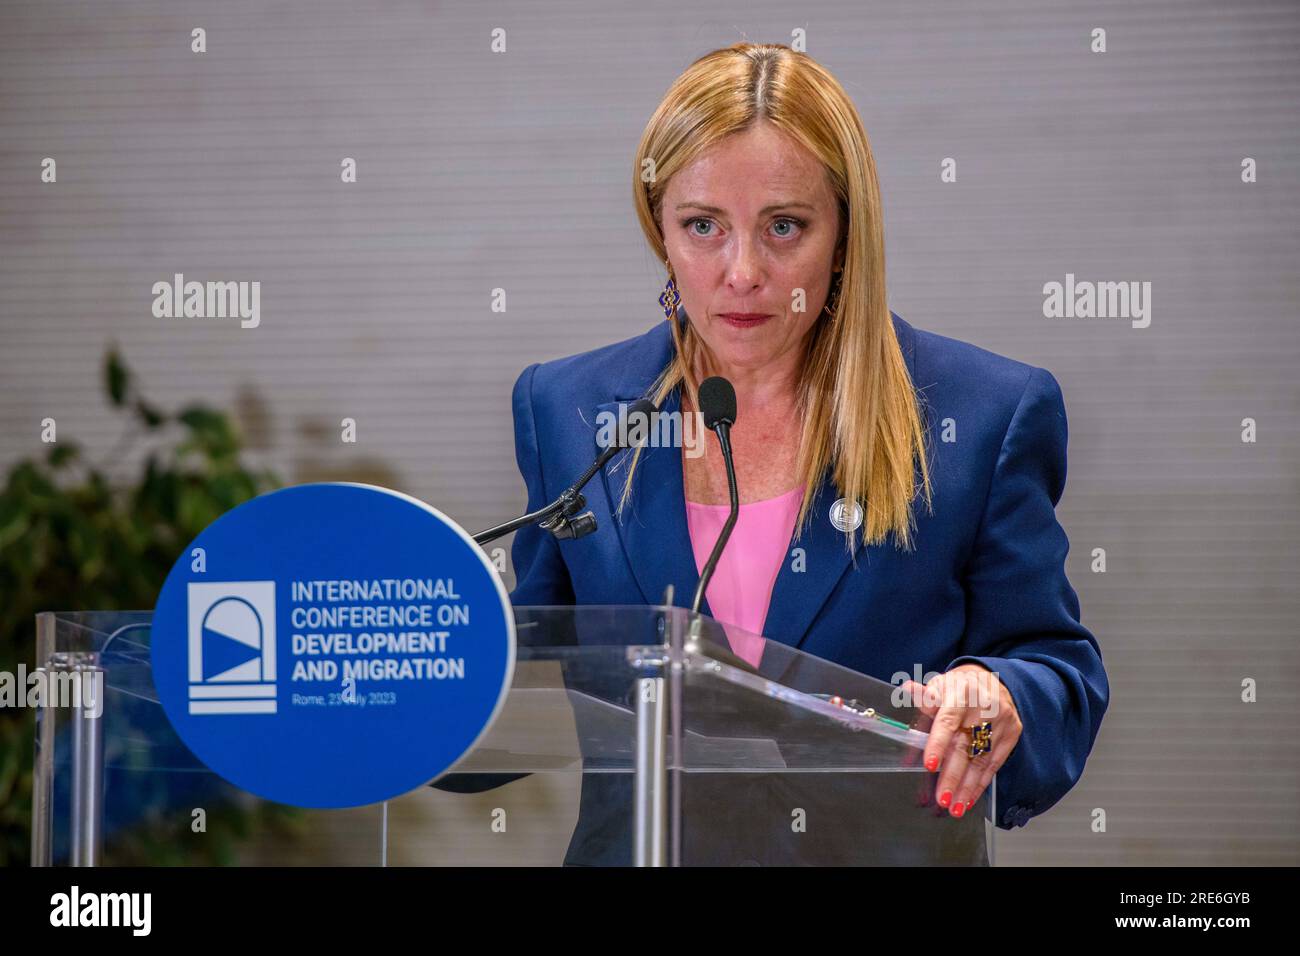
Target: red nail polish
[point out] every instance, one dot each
(931, 763)
(958, 809)
(945, 798)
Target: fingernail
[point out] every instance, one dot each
(945, 798)
(931, 763)
(958, 809)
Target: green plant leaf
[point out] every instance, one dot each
(61, 453)
(151, 417)
(117, 377)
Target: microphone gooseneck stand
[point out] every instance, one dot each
(561, 517)
(717, 402)
(722, 430)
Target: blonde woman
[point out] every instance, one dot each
(755, 185)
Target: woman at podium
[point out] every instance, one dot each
(897, 487)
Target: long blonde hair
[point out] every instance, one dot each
(859, 407)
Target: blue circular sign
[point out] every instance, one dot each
(332, 645)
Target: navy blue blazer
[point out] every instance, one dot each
(986, 582)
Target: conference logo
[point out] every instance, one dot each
(232, 647)
(846, 515)
(332, 645)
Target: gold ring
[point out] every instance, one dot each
(981, 738)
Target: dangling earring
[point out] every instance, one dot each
(670, 299)
(833, 300)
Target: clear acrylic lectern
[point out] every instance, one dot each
(631, 735)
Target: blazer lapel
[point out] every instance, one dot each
(806, 580)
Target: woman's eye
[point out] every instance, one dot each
(791, 224)
(690, 224)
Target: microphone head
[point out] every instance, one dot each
(717, 402)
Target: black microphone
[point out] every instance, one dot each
(718, 406)
(561, 517)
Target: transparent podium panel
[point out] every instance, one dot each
(115, 786)
(630, 735)
(784, 759)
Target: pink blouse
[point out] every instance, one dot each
(741, 588)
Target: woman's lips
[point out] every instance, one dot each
(744, 320)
